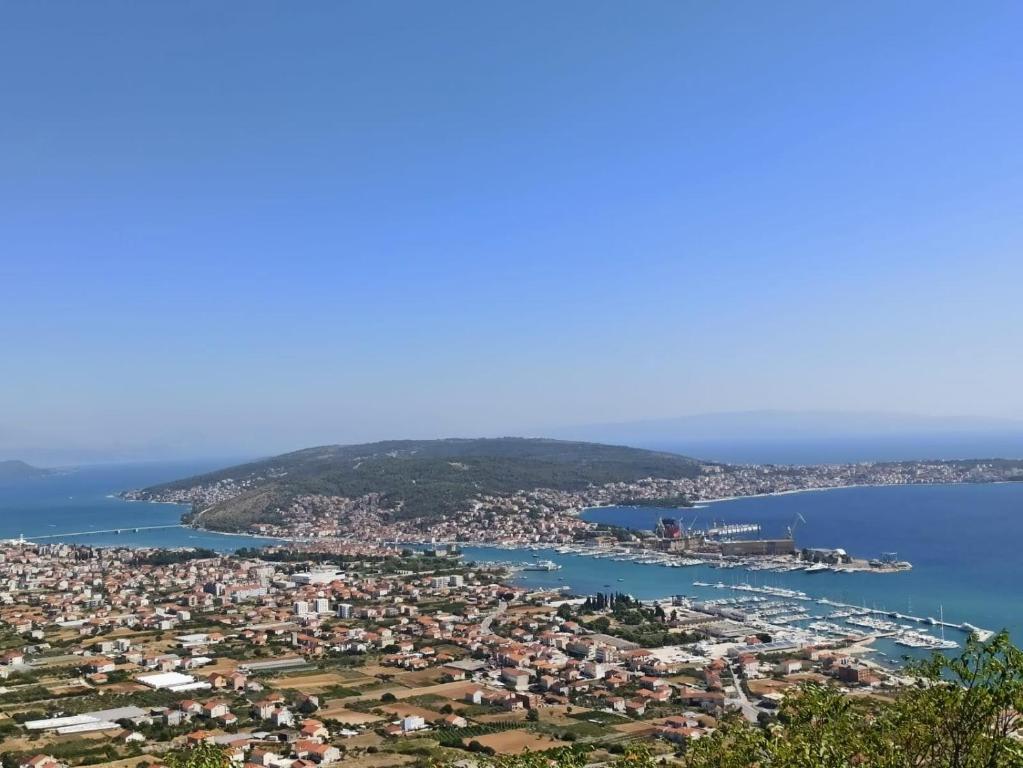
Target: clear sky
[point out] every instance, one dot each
(252, 226)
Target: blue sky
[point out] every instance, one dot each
(255, 226)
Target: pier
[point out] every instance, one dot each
(982, 634)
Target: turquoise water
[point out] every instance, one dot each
(81, 500)
(963, 541)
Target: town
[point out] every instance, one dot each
(551, 517)
(290, 658)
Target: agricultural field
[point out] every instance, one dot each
(408, 710)
(338, 711)
(516, 742)
(318, 682)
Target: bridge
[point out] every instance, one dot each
(131, 529)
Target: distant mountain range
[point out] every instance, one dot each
(774, 424)
(414, 477)
(13, 469)
(813, 437)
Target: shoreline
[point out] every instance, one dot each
(578, 512)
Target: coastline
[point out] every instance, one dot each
(577, 512)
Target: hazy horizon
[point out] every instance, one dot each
(234, 229)
(749, 436)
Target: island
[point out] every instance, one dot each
(514, 492)
(15, 469)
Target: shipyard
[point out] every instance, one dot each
(675, 544)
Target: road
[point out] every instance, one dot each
(749, 710)
(485, 624)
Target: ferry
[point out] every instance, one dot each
(543, 565)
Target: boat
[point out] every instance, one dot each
(817, 568)
(543, 565)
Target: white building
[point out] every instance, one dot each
(413, 723)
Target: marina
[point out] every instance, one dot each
(964, 582)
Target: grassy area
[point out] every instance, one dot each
(428, 700)
(603, 718)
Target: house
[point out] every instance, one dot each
(412, 723)
(453, 673)
(320, 753)
(789, 667)
(653, 683)
(314, 730)
(453, 721)
(196, 738)
(749, 666)
(263, 757)
(174, 717)
(661, 693)
(708, 700)
(264, 708)
(41, 761)
(236, 681)
(11, 659)
(215, 708)
(282, 717)
(636, 707)
(190, 706)
(515, 678)
(679, 735)
(217, 681)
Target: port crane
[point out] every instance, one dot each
(795, 523)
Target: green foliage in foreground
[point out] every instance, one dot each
(961, 714)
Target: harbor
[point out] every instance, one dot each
(789, 602)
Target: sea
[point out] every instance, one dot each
(964, 542)
(80, 505)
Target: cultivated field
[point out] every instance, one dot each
(340, 713)
(314, 683)
(514, 742)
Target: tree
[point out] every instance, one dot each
(200, 756)
(961, 713)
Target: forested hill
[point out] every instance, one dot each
(424, 477)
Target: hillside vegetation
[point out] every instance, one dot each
(422, 478)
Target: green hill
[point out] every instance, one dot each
(420, 478)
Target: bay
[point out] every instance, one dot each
(963, 540)
(79, 500)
